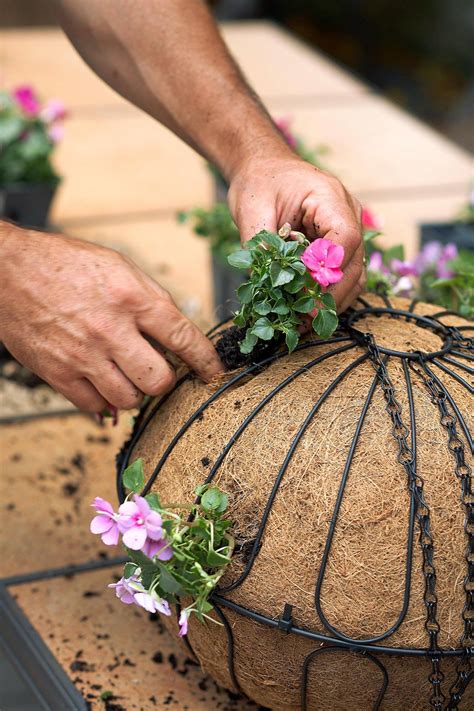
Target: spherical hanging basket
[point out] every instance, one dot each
(348, 467)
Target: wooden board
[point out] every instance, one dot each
(104, 645)
(51, 470)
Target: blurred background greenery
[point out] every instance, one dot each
(419, 54)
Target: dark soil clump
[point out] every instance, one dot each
(228, 349)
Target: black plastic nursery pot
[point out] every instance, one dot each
(459, 233)
(27, 205)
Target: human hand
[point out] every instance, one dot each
(77, 315)
(265, 194)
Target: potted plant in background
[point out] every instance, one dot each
(29, 132)
(459, 231)
(216, 224)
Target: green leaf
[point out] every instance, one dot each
(249, 342)
(129, 570)
(154, 501)
(211, 499)
(239, 319)
(325, 323)
(199, 490)
(11, 127)
(281, 307)
(329, 302)
(216, 560)
(305, 304)
(279, 275)
(262, 308)
(395, 252)
(263, 329)
(299, 267)
(245, 292)
(272, 239)
(369, 235)
(133, 477)
(241, 260)
(290, 247)
(296, 284)
(291, 339)
(167, 582)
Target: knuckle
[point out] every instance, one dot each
(182, 334)
(162, 384)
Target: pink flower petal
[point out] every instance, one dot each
(335, 256)
(100, 524)
(142, 505)
(334, 275)
(153, 526)
(146, 601)
(135, 538)
(111, 537)
(129, 508)
(102, 505)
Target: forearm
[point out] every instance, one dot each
(167, 57)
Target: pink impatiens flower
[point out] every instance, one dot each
(323, 260)
(56, 133)
(161, 549)
(54, 110)
(152, 603)
(126, 588)
(283, 125)
(26, 99)
(369, 220)
(106, 522)
(137, 522)
(183, 621)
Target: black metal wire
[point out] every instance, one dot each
(328, 650)
(456, 346)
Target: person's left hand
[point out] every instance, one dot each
(265, 194)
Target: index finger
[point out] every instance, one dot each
(166, 324)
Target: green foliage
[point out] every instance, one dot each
(198, 535)
(217, 225)
(134, 479)
(279, 291)
(455, 293)
(25, 155)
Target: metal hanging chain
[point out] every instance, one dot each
(416, 485)
(463, 472)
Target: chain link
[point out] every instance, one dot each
(406, 457)
(463, 472)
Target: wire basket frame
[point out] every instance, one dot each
(457, 350)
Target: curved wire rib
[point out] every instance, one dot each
(237, 378)
(332, 528)
(266, 400)
(462, 366)
(460, 354)
(284, 467)
(327, 650)
(454, 375)
(230, 647)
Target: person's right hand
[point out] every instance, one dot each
(76, 314)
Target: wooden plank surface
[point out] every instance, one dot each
(51, 470)
(104, 645)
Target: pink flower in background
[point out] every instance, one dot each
(369, 220)
(125, 590)
(152, 603)
(404, 286)
(403, 268)
(183, 622)
(428, 257)
(323, 260)
(54, 110)
(137, 522)
(160, 548)
(26, 99)
(106, 522)
(376, 263)
(450, 252)
(283, 126)
(56, 133)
